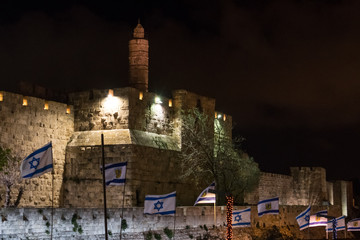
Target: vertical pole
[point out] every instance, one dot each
(52, 203)
(52, 197)
(215, 213)
(174, 218)
(104, 188)
(123, 204)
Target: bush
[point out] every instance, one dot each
(148, 235)
(157, 236)
(168, 232)
(124, 225)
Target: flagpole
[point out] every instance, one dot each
(52, 197)
(174, 218)
(104, 189)
(215, 213)
(123, 204)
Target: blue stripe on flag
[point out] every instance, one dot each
(242, 224)
(268, 200)
(38, 171)
(157, 198)
(121, 164)
(304, 213)
(350, 228)
(246, 210)
(206, 198)
(268, 211)
(162, 213)
(115, 181)
(43, 149)
(304, 225)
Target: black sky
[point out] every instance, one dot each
(287, 71)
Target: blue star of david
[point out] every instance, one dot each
(238, 218)
(307, 218)
(158, 205)
(34, 163)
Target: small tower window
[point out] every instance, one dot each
(46, 106)
(25, 101)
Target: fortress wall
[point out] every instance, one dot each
(27, 128)
(94, 110)
(150, 171)
(148, 116)
(272, 185)
(34, 223)
(305, 185)
(309, 185)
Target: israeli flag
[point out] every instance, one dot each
(339, 224)
(241, 218)
(268, 206)
(354, 225)
(329, 225)
(316, 220)
(160, 204)
(115, 174)
(38, 162)
(207, 195)
(303, 218)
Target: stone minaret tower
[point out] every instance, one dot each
(139, 59)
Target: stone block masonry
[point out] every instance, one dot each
(26, 128)
(88, 223)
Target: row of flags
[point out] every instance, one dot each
(41, 161)
(305, 220)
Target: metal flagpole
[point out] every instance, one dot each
(104, 188)
(52, 197)
(174, 218)
(123, 204)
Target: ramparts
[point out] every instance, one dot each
(190, 221)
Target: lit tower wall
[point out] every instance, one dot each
(139, 60)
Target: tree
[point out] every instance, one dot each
(209, 153)
(10, 176)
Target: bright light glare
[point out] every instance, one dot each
(157, 100)
(111, 104)
(219, 116)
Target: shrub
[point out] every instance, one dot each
(168, 232)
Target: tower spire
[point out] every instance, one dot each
(139, 59)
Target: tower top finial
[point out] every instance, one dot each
(139, 31)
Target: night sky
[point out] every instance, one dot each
(287, 71)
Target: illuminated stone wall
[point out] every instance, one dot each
(190, 221)
(304, 186)
(24, 129)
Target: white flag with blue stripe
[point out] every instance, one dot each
(160, 204)
(241, 218)
(115, 174)
(38, 162)
(317, 220)
(207, 195)
(268, 206)
(303, 218)
(353, 225)
(339, 224)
